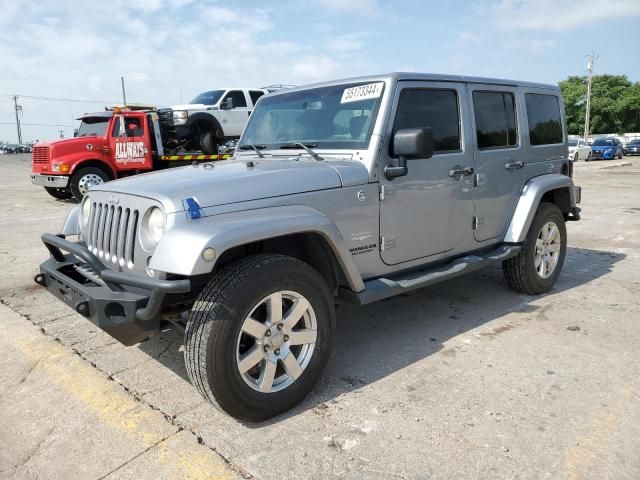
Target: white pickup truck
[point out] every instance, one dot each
(210, 118)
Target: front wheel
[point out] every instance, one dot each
(537, 267)
(209, 142)
(259, 336)
(59, 193)
(84, 179)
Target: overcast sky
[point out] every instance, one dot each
(170, 50)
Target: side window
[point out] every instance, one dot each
(238, 98)
(255, 95)
(495, 114)
(543, 114)
(438, 109)
(133, 127)
(115, 132)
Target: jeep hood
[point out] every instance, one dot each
(236, 181)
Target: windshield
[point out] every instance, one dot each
(634, 142)
(208, 98)
(573, 143)
(603, 141)
(93, 126)
(335, 117)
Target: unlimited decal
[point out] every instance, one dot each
(129, 151)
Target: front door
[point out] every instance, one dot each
(499, 158)
(430, 210)
(235, 118)
(130, 142)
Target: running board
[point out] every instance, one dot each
(381, 288)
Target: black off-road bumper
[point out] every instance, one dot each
(125, 306)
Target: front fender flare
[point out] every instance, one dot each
(180, 249)
(529, 200)
(71, 224)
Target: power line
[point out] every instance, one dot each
(57, 99)
(38, 124)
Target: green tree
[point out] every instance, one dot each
(615, 104)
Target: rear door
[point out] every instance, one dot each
(499, 157)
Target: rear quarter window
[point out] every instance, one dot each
(543, 115)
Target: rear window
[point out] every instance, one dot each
(543, 114)
(495, 114)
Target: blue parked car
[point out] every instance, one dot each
(606, 149)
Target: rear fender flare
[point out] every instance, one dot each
(529, 200)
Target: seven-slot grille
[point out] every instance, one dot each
(112, 233)
(40, 155)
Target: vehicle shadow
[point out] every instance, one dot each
(376, 340)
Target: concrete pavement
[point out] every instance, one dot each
(466, 379)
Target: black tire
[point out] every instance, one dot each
(520, 271)
(77, 185)
(59, 193)
(209, 142)
(214, 328)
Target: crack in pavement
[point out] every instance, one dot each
(171, 419)
(139, 454)
(34, 451)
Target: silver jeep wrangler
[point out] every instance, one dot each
(346, 191)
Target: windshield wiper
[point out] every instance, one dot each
(307, 148)
(255, 148)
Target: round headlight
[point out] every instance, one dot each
(156, 224)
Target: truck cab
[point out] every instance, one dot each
(107, 145)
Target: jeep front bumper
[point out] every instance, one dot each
(125, 306)
(54, 181)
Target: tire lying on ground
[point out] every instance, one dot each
(259, 336)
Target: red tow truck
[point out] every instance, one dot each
(111, 144)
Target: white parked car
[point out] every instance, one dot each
(579, 150)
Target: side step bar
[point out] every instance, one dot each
(381, 288)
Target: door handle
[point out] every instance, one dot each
(458, 171)
(511, 165)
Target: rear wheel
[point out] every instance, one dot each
(537, 267)
(84, 179)
(259, 336)
(59, 193)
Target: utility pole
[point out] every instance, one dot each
(124, 95)
(18, 109)
(592, 58)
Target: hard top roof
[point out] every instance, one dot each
(434, 77)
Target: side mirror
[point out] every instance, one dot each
(227, 104)
(409, 143)
(75, 132)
